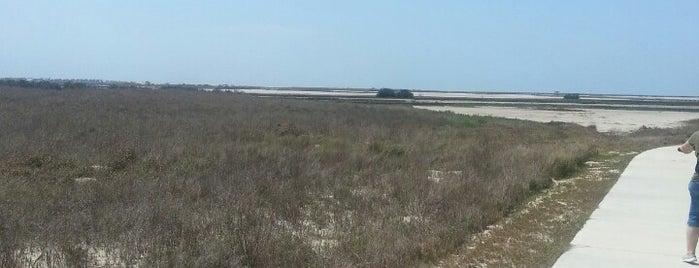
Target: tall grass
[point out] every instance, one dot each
(188, 179)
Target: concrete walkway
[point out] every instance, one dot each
(642, 220)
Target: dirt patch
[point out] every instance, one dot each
(541, 230)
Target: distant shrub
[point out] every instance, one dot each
(385, 93)
(571, 96)
(405, 94)
(390, 93)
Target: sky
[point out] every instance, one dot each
(591, 46)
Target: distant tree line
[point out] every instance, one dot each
(180, 87)
(45, 84)
(390, 93)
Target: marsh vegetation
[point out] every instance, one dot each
(191, 179)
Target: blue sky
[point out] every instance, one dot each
(621, 46)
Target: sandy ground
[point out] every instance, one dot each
(483, 95)
(431, 94)
(604, 120)
(346, 93)
(339, 93)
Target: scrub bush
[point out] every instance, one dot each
(184, 178)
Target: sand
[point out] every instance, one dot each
(604, 120)
(337, 93)
(452, 95)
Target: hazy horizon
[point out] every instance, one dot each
(620, 47)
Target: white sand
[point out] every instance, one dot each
(451, 95)
(84, 180)
(445, 94)
(339, 93)
(604, 120)
(372, 93)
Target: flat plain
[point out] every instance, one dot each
(134, 177)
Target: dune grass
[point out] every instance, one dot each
(194, 179)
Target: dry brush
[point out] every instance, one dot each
(180, 179)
